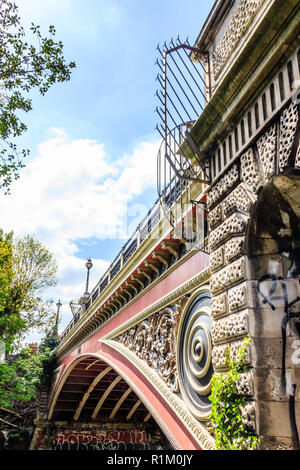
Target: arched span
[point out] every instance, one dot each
(106, 386)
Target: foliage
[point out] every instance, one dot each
(226, 418)
(49, 342)
(5, 266)
(17, 439)
(23, 67)
(26, 268)
(21, 377)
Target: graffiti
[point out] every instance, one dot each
(40, 439)
(291, 311)
(105, 440)
(291, 308)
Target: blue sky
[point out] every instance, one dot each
(91, 174)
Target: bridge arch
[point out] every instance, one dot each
(95, 389)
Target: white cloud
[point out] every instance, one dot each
(71, 16)
(72, 191)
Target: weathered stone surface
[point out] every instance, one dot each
(225, 183)
(267, 351)
(249, 416)
(276, 443)
(250, 171)
(266, 145)
(244, 383)
(288, 126)
(219, 353)
(269, 387)
(270, 352)
(235, 30)
(234, 225)
(270, 264)
(297, 158)
(270, 424)
(230, 275)
(215, 217)
(233, 248)
(218, 306)
(229, 327)
(273, 293)
(237, 297)
(216, 260)
(238, 199)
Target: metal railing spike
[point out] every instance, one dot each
(182, 97)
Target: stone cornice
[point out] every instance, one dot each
(235, 91)
(211, 25)
(169, 299)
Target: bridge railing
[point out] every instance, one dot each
(142, 231)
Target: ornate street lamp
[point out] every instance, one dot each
(58, 305)
(75, 307)
(88, 266)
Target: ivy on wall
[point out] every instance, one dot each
(226, 412)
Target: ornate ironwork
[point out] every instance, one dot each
(182, 96)
(181, 101)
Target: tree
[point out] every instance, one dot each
(21, 377)
(26, 269)
(23, 67)
(5, 266)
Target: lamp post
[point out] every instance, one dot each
(58, 305)
(88, 266)
(75, 307)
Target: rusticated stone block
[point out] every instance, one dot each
(215, 217)
(297, 158)
(218, 306)
(237, 297)
(229, 327)
(234, 225)
(250, 172)
(233, 33)
(288, 126)
(233, 248)
(248, 416)
(266, 145)
(238, 199)
(244, 384)
(219, 355)
(216, 260)
(225, 183)
(230, 275)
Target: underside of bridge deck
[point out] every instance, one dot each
(93, 391)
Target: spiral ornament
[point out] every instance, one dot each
(194, 354)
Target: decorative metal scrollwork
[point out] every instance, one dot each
(194, 353)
